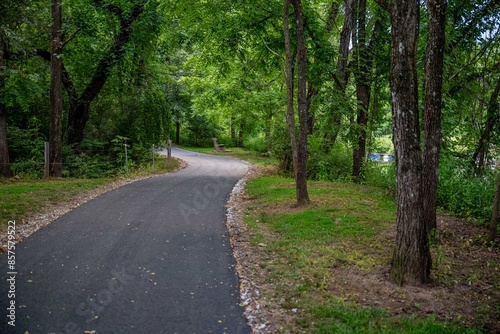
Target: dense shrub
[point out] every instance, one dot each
(460, 191)
(336, 164)
(464, 193)
(281, 149)
(88, 166)
(256, 143)
(381, 174)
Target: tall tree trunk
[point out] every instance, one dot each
(364, 59)
(290, 114)
(177, 132)
(433, 90)
(345, 44)
(233, 129)
(301, 179)
(77, 120)
(311, 117)
(56, 104)
(358, 156)
(5, 170)
(241, 133)
(269, 120)
(492, 117)
(362, 91)
(342, 77)
(495, 215)
(411, 259)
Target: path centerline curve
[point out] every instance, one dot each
(152, 256)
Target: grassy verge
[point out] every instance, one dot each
(240, 153)
(22, 198)
(309, 256)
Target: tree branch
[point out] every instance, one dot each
(114, 55)
(271, 50)
(71, 37)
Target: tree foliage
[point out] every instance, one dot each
(150, 71)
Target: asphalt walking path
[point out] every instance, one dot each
(149, 257)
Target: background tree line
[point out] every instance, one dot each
(316, 84)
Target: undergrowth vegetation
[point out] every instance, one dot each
(460, 191)
(22, 197)
(95, 159)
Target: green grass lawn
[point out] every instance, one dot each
(237, 152)
(301, 250)
(21, 198)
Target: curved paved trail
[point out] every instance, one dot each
(149, 257)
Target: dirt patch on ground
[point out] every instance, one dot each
(27, 226)
(465, 284)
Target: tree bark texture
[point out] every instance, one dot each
(342, 77)
(5, 170)
(495, 215)
(311, 117)
(290, 114)
(241, 133)
(345, 43)
(56, 103)
(362, 91)
(433, 89)
(411, 259)
(79, 109)
(301, 180)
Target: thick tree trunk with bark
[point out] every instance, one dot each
(5, 170)
(56, 103)
(433, 89)
(362, 91)
(363, 97)
(301, 179)
(495, 215)
(411, 261)
(290, 114)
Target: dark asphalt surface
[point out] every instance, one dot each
(149, 257)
